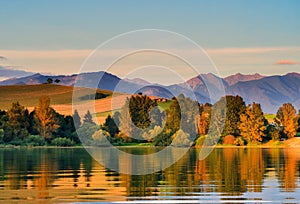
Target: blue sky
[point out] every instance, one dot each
(54, 27)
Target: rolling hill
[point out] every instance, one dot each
(28, 95)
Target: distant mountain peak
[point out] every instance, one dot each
(137, 81)
(293, 74)
(238, 77)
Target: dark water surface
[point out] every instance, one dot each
(226, 175)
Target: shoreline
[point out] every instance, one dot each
(283, 146)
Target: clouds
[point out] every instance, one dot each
(229, 60)
(286, 62)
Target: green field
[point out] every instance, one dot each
(270, 116)
(106, 113)
(164, 105)
(28, 95)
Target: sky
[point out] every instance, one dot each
(239, 36)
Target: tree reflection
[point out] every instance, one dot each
(231, 171)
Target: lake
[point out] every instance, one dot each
(233, 175)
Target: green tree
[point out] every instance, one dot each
(273, 132)
(3, 118)
(181, 139)
(253, 124)
(139, 108)
(76, 119)
(66, 128)
(49, 81)
(125, 124)
(88, 118)
(148, 136)
(45, 118)
(286, 116)
(173, 121)
(18, 121)
(235, 107)
(101, 138)
(86, 131)
(110, 126)
(174, 116)
(189, 112)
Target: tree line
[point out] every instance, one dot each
(187, 122)
(42, 126)
(184, 123)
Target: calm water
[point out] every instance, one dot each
(227, 175)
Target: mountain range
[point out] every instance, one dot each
(270, 91)
(9, 72)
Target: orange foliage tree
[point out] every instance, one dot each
(253, 123)
(286, 116)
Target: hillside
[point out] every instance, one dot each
(28, 95)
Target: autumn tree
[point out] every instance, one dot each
(204, 119)
(18, 121)
(286, 117)
(253, 123)
(45, 118)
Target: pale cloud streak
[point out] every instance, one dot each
(253, 50)
(286, 62)
(228, 60)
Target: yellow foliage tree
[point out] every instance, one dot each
(45, 118)
(252, 124)
(286, 116)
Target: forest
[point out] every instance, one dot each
(184, 123)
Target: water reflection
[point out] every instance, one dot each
(70, 174)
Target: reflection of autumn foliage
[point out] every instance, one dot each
(252, 169)
(290, 161)
(45, 179)
(230, 171)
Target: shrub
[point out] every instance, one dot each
(34, 140)
(181, 139)
(86, 131)
(200, 141)
(62, 142)
(274, 133)
(152, 133)
(16, 142)
(229, 140)
(239, 141)
(101, 138)
(1, 135)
